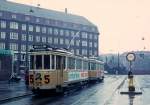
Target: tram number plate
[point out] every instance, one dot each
(38, 78)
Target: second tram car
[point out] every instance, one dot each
(56, 69)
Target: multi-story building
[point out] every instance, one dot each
(21, 26)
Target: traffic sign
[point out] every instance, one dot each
(130, 57)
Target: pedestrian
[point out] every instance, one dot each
(27, 77)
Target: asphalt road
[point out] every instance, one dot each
(97, 94)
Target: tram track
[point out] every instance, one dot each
(15, 98)
(88, 91)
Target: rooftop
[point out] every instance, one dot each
(41, 12)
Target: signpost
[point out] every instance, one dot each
(131, 87)
(130, 57)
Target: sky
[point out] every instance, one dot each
(122, 23)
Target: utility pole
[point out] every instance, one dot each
(77, 33)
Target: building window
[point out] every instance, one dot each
(27, 18)
(1, 14)
(23, 57)
(13, 16)
(50, 31)
(23, 47)
(84, 52)
(55, 40)
(44, 39)
(95, 44)
(66, 41)
(2, 24)
(90, 44)
(13, 46)
(93, 29)
(30, 47)
(43, 29)
(15, 56)
(72, 42)
(2, 45)
(55, 31)
(14, 35)
(37, 20)
(30, 38)
(61, 41)
(67, 32)
(38, 39)
(37, 28)
(23, 37)
(3, 35)
(77, 51)
(24, 27)
(61, 32)
(30, 28)
(90, 36)
(77, 42)
(49, 39)
(90, 52)
(47, 21)
(84, 43)
(95, 53)
(84, 35)
(95, 37)
(13, 25)
(72, 33)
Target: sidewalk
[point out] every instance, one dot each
(13, 90)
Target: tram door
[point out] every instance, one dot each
(59, 69)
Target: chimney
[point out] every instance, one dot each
(66, 11)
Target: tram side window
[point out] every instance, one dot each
(78, 64)
(58, 62)
(93, 66)
(53, 62)
(38, 61)
(71, 63)
(46, 62)
(85, 65)
(32, 62)
(97, 66)
(101, 66)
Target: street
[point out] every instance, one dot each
(100, 93)
(105, 93)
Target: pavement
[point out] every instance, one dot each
(13, 90)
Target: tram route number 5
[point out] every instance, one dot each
(38, 77)
(47, 80)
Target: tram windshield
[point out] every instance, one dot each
(38, 62)
(46, 61)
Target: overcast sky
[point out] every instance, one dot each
(121, 23)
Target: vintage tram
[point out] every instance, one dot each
(57, 69)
